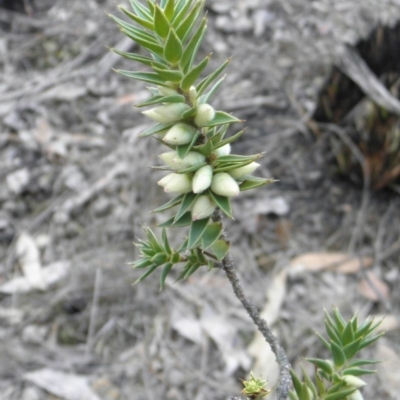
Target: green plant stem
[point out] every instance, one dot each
(284, 366)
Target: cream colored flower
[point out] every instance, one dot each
(238, 173)
(168, 113)
(203, 207)
(180, 134)
(204, 114)
(176, 183)
(224, 185)
(202, 179)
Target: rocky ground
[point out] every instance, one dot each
(75, 188)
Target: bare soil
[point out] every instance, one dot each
(75, 184)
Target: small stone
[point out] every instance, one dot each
(18, 181)
(35, 334)
(101, 207)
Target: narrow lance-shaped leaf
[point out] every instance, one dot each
(338, 355)
(197, 229)
(172, 203)
(141, 21)
(183, 27)
(146, 274)
(162, 99)
(223, 203)
(169, 9)
(141, 59)
(141, 10)
(169, 74)
(191, 48)
(186, 204)
(206, 97)
(185, 220)
(255, 182)
(155, 129)
(149, 77)
(222, 118)
(166, 270)
(147, 44)
(211, 235)
(161, 23)
(172, 48)
(191, 77)
(166, 244)
(342, 394)
(220, 248)
(131, 28)
(182, 7)
(202, 86)
(358, 371)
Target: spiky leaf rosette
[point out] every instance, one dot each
(338, 378)
(203, 174)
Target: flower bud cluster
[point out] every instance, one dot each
(202, 179)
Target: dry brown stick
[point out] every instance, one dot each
(284, 366)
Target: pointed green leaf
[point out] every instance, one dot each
(340, 322)
(189, 113)
(185, 220)
(220, 249)
(293, 395)
(322, 364)
(220, 143)
(305, 394)
(132, 28)
(357, 363)
(332, 332)
(164, 274)
(169, 9)
(144, 263)
(320, 384)
(255, 182)
(147, 44)
(184, 271)
(149, 77)
(223, 203)
(153, 241)
(221, 118)
(368, 342)
(184, 150)
(351, 349)
(206, 149)
(146, 23)
(155, 129)
(186, 204)
(169, 74)
(146, 274)
(211, 235)
(136, 57)
(172, 48)
(342, 394)
(159, 259)
(358, 371)
(177, 98)
(206, 97)
(297, 384)
(141, 10)
(151, 6)
(166, 244)
(191, 169)
(185, 26)
(309, 382)
(181, 8)
(197, 229)
(190, 78)
(324, 341)
(338, 355)
(202, 86)
(194, 267)
(192, 47)
(161, 23)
